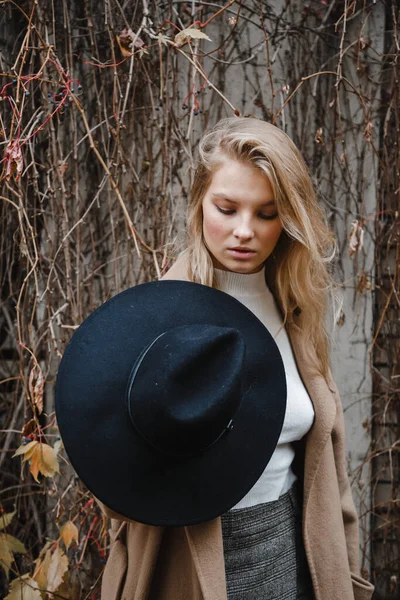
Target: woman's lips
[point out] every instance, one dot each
(241, 253)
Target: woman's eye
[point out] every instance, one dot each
(225, 211)
(269, 217)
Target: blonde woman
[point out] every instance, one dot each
(255, 231)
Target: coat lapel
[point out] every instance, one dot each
(206, 545)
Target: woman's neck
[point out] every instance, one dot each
(241, 284)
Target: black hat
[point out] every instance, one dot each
(170, 400)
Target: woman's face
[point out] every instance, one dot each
(240, 221)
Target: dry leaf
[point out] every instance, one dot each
(9, 545)
(23, 248)
(44, 461)
(24, 588)
(363, 283)
(71, 587)
(142, 51)
(13, 160)
(128, 37)
(356, 241)
(5, 519)
(341, 319)
(318, 136)
(181, 38)
(127, 41)
(368, 131)
(41, 569)
(164, 39)
(63, 168)
(57, 569)
(36, 387)
(69, 532)
(42, 563)
(364, 42)
(58, 445)
(28, 428)
(26, 449)
(124, 50)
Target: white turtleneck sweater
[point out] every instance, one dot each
(278, 476)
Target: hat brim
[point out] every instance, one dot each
(112, 459)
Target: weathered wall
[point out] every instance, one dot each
(117, 163)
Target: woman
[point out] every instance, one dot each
(255, 231)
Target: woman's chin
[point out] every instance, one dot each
(239, 266)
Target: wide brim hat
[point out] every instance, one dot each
(117, 464)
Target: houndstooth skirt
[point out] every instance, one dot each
(264, 551)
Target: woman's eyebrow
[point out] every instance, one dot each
(225, 197)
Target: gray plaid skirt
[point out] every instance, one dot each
(264, 551)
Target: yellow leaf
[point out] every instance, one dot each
(44, 461)
(8, 546)
(57, 568)
(69, 532)
(49, 461)
(182, 37)
(24, 588)
(5, 519)
(26, 450)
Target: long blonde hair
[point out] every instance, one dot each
(298, 271)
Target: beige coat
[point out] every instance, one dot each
(187, 563)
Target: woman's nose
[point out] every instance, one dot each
(243, 231)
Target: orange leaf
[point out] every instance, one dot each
(127, 40)
(69, 532)
(124, 51)
(44, 461)
(34, 468)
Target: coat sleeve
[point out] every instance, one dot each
(350, 517)
(362, 588)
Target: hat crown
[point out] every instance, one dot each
(186, 386)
